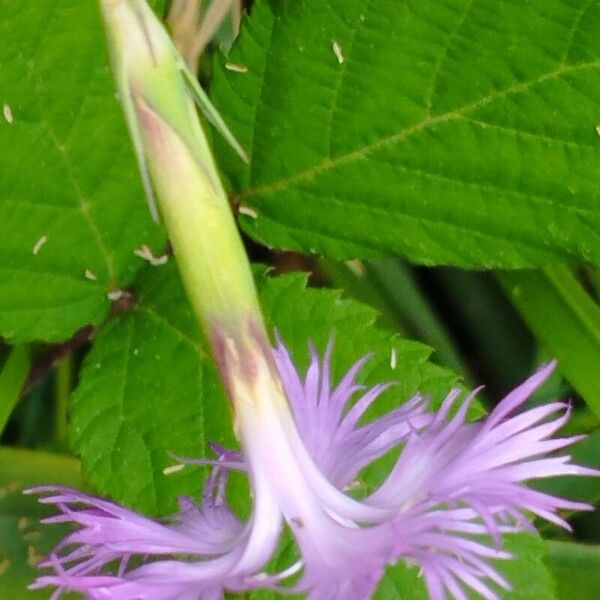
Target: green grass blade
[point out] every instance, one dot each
(12, 378)
(565, 319)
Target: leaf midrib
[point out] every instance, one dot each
(429, 122)
(84, 208)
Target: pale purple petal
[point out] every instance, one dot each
(455, 490)
(327, 417)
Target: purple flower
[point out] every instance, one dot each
(456, 488)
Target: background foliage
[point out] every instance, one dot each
(456, 133)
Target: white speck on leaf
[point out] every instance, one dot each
(8, 115)
(339, 53)
(248, 211)
(115, 295)
(393, 359)
(90, 275)
(598, 129)
(356, 266)
(173, 469)
(236, 67)
(38, 245)
(145, 253)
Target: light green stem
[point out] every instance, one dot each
(180, 173)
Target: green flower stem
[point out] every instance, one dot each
(12, 378)
(183, 187)
(206, 242)
(180, 173)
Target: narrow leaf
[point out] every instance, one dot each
(211, 113)
(565, 319)
(12, 378)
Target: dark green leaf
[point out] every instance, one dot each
(454, 132)
(586, 452)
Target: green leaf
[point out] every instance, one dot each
(148, 388)
(526, 572)
(454, 132)
(390, 286)
(304, 314)
(68, 181)
(23, 539)
(565, 319)
(576, 568)
(147, 391)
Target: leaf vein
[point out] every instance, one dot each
(444, 54)
(175, 330)
(342, 72)
(364, 151)
(531, 134)
(573, 30)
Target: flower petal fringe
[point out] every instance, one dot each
(456, 488)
